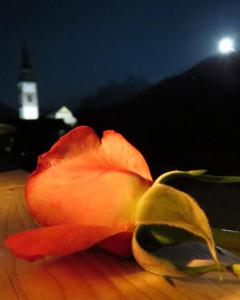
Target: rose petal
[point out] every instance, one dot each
(85, 191)
(56, 240)
(83, 181)
(120, 244)
(122, 153)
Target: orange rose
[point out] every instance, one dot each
(87, 191)
(84, 192)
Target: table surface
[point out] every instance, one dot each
(93, 274)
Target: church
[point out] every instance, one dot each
(30, 133)
(28, 95)
(27, 86)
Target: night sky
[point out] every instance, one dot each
(76, 46)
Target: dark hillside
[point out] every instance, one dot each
(187, 121)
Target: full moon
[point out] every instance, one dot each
(226, 45)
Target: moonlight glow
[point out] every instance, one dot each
(226, 45)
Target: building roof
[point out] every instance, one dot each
(65, 114)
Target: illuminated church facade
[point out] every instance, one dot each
(27, 87)
(28, 95)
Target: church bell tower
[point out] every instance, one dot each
(27, 86)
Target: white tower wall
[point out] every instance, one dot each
(28, 98)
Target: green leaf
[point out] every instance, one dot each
(147, 260)
(173, 231)
(165, 205)
(171, 251)
(225, 238)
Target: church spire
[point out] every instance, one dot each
(26, 73)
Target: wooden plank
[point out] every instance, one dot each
(92, 274)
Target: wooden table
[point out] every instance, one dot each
(92, 274)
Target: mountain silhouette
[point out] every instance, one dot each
(115, 93)
(210, 84)
(188, 121)
(197, 115)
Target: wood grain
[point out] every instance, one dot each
(93, 274)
